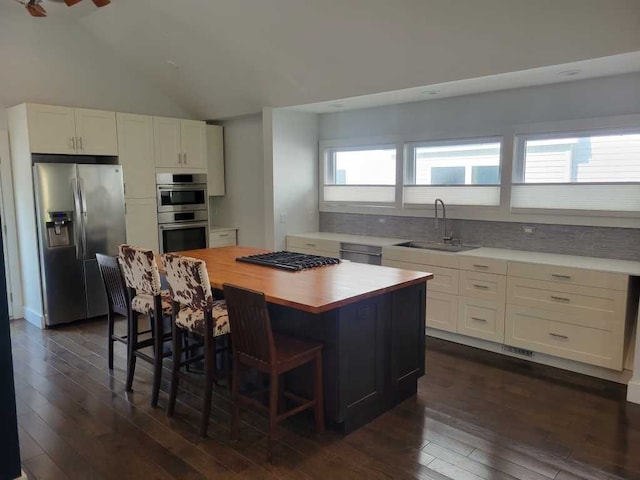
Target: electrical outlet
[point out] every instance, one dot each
(528, 229)
(283, 217)
(381, 220)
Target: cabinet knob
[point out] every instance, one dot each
(79, 143)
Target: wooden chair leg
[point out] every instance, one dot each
(158, 334)
(132, 341)
(110, 321)
(273, 413)
(209, 369)
(235, 401)
(177, 354)
(319, 395)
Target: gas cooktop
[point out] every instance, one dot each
(289, 260)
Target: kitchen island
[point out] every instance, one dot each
(369, 318)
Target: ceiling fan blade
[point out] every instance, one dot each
(36, 10)
(71, 3)
(101, 3)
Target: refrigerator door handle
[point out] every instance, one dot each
(83, 214)
(78, 228)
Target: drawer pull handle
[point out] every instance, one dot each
(310, 244)
(370, 254)
(557, 335)
(223, 234)
(563, 277)
(483, 287)
(478, 319)
(476, 265)
(560, 299)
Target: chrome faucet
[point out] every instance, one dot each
(445, 237)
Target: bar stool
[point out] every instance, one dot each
(255, 346)
(117, 300)
(142, 278)
(194, 311)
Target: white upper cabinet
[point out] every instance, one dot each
(215, 157)
(194, 144)
(180, 144)
(96, 132)
(51, 129)
(71, 131)
(135, 142)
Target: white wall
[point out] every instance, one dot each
(491, 114)
(294, 169)
(242, 205)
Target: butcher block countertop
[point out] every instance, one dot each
(314, 290)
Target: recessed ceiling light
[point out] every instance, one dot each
(431, 92)
(570, 73)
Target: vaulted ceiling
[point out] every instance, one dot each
(221, 58)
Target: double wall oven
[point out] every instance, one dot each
(183, 218)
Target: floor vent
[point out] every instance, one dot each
(517, 351)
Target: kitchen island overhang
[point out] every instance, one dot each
(369, 318)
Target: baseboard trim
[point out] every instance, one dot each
(633, 391)
(33, 317)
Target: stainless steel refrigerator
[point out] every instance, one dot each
(80, 212)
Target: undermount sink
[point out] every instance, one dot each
(442, 247)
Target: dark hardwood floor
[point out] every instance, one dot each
(476, 416)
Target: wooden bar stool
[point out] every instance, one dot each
(117, 300)
(194, 311)
(142, 278)
(255, 346)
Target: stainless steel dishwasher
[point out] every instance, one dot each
(361, 253)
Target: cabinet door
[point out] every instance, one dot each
(442, 311)
(135, 144)
(194, 144)
(96, 132)
(51, 129)
(167, 145)
(215, 158)
(142, 223)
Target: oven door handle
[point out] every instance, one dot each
(182, 225)
(182, 187)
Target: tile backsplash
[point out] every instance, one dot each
(607, 242)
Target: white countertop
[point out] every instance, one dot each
(346, 238)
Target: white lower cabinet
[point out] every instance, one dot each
(481, 318)
(442, 311)
(559, 334)
(322, 247)
(223, 237)
(567, 312)
(142, 223)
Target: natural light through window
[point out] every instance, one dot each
(365, 167)
(590, 159)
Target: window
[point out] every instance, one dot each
(360, 174)
(597, 170)
(461, 172)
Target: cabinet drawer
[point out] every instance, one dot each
(589, 306)
(444, 280)
(220, 238)
(308, 244)
(547, 332)
(442, 311)
(486, 265)
(488, 286)
(568, 275)
(481, 319)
